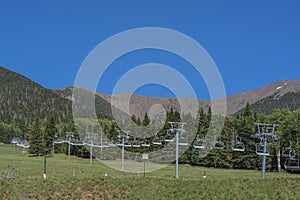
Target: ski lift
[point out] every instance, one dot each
(127, 143)
(182, 140)
(145, 142)
(105, 143)
(20, 144)
(176, 125)
(285, 152)
(26, 144)
(169, 137)
(15, 140)
(292, 153)
(157, 140)
(200, 143)
(58, 141)
(119, 142)
(289, 151)
(219, 145)
(123, 137)
(261, 149)
(238, 145)
(135, 143)
(266, 129)
(77, 142)
(291, 164)
(23, 144)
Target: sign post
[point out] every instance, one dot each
(145, 157)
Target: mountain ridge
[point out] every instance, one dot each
(22, 99)
(235, 102)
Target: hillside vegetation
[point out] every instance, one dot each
(76, 179)
(22, 101)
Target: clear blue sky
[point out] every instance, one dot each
(253, 43)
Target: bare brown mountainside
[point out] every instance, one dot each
(22, 100)
(139, 105)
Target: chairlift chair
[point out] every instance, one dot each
(127, 143)
(169, 137)
(261, 150)
(219, 145)
(288, 151)
(26, 144)
(23, 144)
(145, 143)
(291, 163)
(157, 140)
(182, 140)
(292, 153)
(15, 140)
(200, 143)
(58, 141)
(20, 144)
(119, 143)
(78, 142)
(176, 125)
(63, 141)
(135, 143)
(285, 152)
(238, 145)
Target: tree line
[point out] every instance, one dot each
(41, 135)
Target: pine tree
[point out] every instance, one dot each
(133, 118)
(209, 114)
(36, 139)
(146, 120)
(247, 112)
(138, 122)
(203, 123)
(49, 134)
(177, 116)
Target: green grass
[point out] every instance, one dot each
(89, 182)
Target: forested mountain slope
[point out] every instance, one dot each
(22, 100)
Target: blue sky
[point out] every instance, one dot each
(253, 43)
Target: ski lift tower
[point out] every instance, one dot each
(122, 135)
(265, 132)
(177, 127)
(91, 137)
(69, 136)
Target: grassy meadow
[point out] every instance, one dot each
(77, 179)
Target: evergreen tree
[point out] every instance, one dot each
(36, 139)
(146, 120)
(133, 118)
(209, 114)
(138, 122)
(203, 123)
(49, 134)
(177, 117)
(247, 111)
